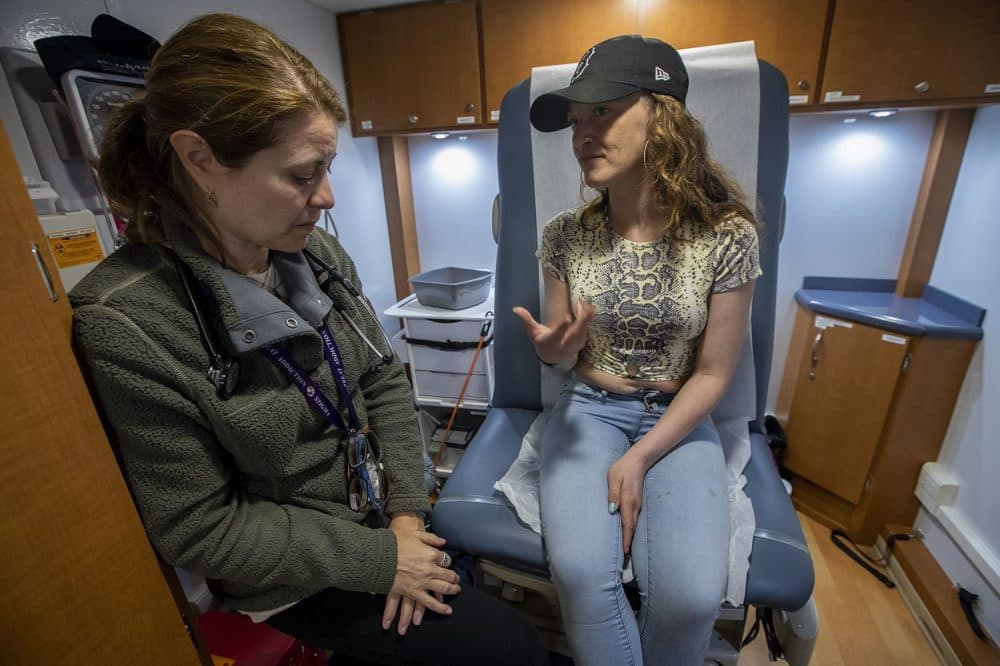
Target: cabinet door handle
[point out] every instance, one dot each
(814, 358)
(44, 270)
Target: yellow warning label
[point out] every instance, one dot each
(76, 246)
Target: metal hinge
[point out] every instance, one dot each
(906, 362)
(868, 484)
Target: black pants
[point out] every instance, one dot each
(480, 631)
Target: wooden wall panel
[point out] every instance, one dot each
(80, 583)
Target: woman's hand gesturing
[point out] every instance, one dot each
(556, 344)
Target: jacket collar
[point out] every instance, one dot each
(253, 317)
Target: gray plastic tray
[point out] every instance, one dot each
(451, 287)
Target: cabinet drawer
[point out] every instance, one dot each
(444, 330)
(452, 361)
(446, 385)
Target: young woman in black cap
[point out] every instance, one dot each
(265, 428)
(647, 298)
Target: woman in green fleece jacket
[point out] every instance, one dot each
(221, 169)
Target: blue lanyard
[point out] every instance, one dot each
(356, 436)
(312, 393)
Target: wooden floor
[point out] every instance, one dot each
(861, 621)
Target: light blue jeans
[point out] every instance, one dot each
(680, 551)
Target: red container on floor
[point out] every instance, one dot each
(237, 637)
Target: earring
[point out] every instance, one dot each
(211, 198)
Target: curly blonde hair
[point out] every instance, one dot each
(687, 183)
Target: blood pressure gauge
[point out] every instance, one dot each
(93, 97)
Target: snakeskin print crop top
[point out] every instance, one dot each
(651, 298)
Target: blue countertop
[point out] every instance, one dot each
(874, 302)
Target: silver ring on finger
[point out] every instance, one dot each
(445, 560)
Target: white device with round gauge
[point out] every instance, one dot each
(93, 97)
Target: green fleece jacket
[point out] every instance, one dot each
(250, 492)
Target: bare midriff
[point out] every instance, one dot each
(615, 384)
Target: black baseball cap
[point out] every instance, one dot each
(612, 69)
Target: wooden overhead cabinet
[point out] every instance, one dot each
(913, 51)
(521, 34)
(787, 33)
(412, 68)
(434, 65)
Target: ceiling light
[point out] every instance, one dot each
(454, 164)
(850, 120)
(463, 137)
(440, 135)
(882, 113)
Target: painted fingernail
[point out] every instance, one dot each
(612, 507)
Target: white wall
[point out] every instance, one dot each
(454, 182)
(356, 180)
(966, 265)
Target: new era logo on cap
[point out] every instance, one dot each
(661, 75)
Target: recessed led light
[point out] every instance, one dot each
(440, 135)
(882, 113)
(850, 120)
(463, 137)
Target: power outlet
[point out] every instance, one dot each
(936, 487)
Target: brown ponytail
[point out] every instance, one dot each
(127, 170)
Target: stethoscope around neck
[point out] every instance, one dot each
(224, 371)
